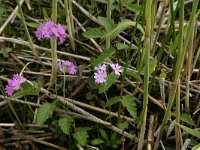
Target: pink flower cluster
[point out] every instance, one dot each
(14, 84)
(51, 30)
(67, 66)
(100, 74)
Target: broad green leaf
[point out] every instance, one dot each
(111, 79)
(193, 132)
(27, 88)
(45, 112)
(133, 7)
(197, 147)
(152, 66)
(130, 104)
(5, 51)
(134, 75)
(187, 118)
(81, 135)
(106, 23)
(112, 101)
(103, 56)
(97, 141)
(121, 27)
(104, 135)
(94, 33)
(65, 124)
(123, 125)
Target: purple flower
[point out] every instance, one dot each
(67, 66)
(14, 84)
(116, 68)
(100, 67)
(100, 76)
(51, 30)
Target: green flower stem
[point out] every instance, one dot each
(180, 60)
(146, 75)
(53, 47)
(177, 128)
(108, 14)
(70, 23)
(35, 52)
(159, 26)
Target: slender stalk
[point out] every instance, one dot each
(121, 4)
(190, 53)
(70, 23)
(53, 47)
(159, 26)
(181, 56)
(177, 128)
(35, 53)
(146, 76)
(108, 15)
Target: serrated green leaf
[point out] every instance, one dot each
(81, 135)
(32, 24)
(134, 7)
(94, 33)
(111, 79)
(5, 51)
(187, 118)
(106, 23)
(130, 104)
(97, 141)
(104, 135)
(112, 101)
(121, 27)
(197, 147)
(103, 56)
(123, 125)
(65, 124)
(121, 46)
(193, 132)
(152, 66)
(45, 112)
(134, 75)
(27, 88)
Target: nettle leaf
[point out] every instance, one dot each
(135, 75)
(112, 101)
(103, 56)
(106, 23)
(104, 135)
(193, 132)
(130, 104)
(111, 79)
(134, 7)
(81, 135)
(123, 125)
(5, 51)
(97, 141)
(197, 147)
(152, 66)
(121, 27)
(65, 123)
(94, 33)
(45, 112)
(29, 88)
(187, 119)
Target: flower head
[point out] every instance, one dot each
(67, 66)
(100, 76)
(100, 67)
(14, 84)
(51, 30)
(116, 68)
